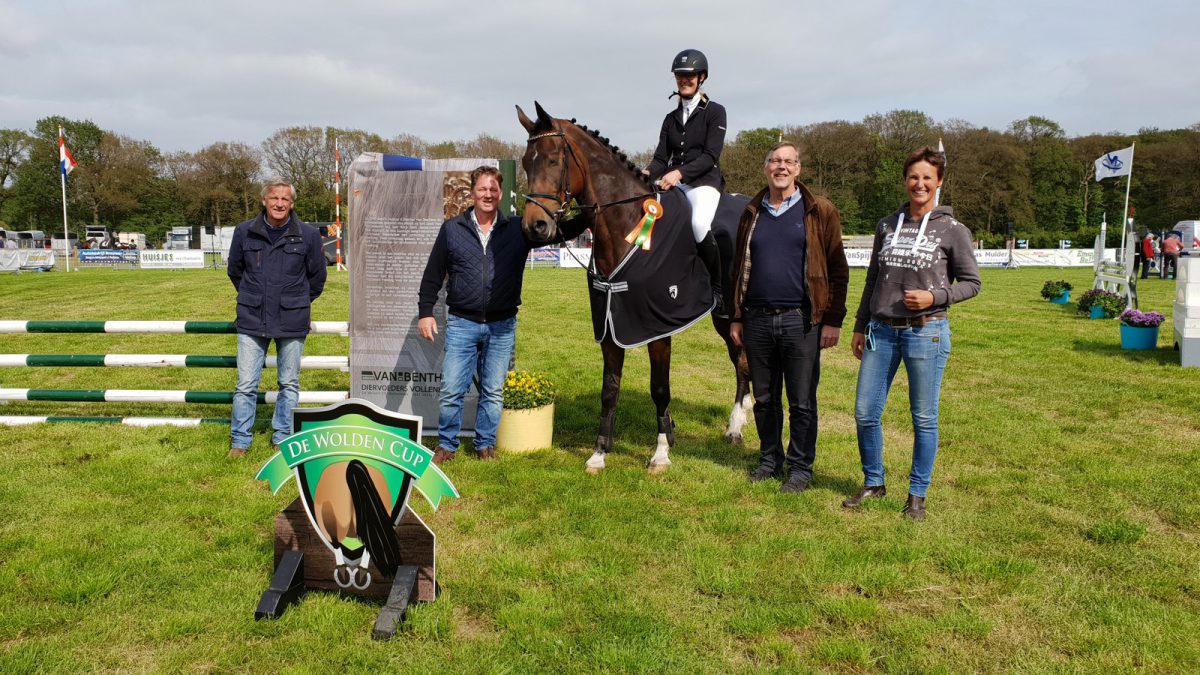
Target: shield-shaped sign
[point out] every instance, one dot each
(355, 465)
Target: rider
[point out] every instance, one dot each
(688, 152)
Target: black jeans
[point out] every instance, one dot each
(784, 351)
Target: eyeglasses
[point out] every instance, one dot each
(776, 161)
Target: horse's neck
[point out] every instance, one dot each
(611, 182)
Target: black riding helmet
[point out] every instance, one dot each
(691, 61)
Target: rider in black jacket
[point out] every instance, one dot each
(689, 152)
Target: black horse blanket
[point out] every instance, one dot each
(656, 293)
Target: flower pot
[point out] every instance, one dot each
(524, 430)
(1095, 312)
(1062, 299)
(1138, 337)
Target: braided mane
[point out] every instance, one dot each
(620, 156)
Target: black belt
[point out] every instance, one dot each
(910, 322)
(772, 311)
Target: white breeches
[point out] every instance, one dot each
(704, 200)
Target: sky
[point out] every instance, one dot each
(183, 75)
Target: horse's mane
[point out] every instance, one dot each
(616, 152)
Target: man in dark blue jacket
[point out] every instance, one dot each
(278, 268)
(480, 256)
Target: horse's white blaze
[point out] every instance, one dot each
(596, 461)
(661, 457)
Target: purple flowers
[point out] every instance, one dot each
(1133, 317)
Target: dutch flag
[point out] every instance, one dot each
(66, 163)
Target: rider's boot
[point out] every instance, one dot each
(711, 257)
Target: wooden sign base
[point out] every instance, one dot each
(303, 562)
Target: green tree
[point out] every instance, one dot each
(742, 160)
(14, 151)
(36, 200)
(987, 182)
(1057, 205)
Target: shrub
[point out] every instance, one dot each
(1112, 303)
(1053, 289)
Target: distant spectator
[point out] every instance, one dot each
(1145, 255)
(10, 243)
(1171, 246)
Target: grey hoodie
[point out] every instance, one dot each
(938, 259)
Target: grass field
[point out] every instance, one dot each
(1062, 528)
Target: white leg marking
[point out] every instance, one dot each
(595, 463)
(661, 458)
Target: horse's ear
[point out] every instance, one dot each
(543, 116)
(525, 121)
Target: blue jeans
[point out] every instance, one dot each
(924, 351)
(251, 354)
(470, 347)
(784, 353)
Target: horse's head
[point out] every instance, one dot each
(555, 173)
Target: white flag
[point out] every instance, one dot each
(1115, 163)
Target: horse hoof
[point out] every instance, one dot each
(734, 439)
(655, 469)
(593, 470)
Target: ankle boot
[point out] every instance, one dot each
(914, 508)
(871, 492)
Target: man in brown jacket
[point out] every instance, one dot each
(788, 300)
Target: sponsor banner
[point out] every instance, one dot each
(396, 212)
(13, 259)
(101, 256)
(998, 257)
(575, 257)
(170, 260)
(544, 257)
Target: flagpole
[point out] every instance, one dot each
(937, 196)
(337, 192)
(62, 177)
(1127, 226)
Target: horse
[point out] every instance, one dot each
(568, 166)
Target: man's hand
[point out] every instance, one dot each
(830, 336)
(427, 327)
(735, 333)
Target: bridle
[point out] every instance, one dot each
(564, 196)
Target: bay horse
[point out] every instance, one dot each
(569, 167)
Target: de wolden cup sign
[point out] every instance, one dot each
(355, 465)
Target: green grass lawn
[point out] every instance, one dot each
(1062, 532)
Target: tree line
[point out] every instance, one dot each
(1030, 176)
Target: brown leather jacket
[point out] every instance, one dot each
(826, 271)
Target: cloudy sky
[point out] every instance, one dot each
(184, 75)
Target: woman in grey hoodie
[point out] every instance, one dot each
(922, 262)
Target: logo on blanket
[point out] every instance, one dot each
(355, 464)
(673, 291)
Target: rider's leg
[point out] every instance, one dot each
(704, 201)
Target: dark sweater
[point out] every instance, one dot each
(779, 247)
(940, 260)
